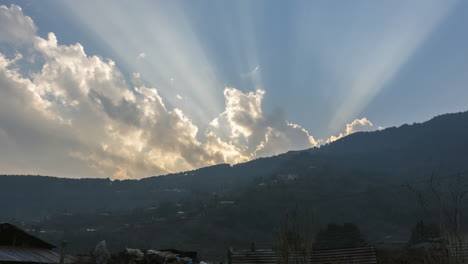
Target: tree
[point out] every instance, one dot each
(450, 199)
(449, 194)
(422, 232)
(334, 235)
(294, 238)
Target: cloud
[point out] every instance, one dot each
(15, 27)
(382, 54)
(141, 55)
(76, 115)
(251, 73)
(357, 125)
(244, 125)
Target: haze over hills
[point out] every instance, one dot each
(377, 180)
(404, 153)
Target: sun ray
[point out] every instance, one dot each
(400, 40)
(174, 58)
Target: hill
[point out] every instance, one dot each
(419, 148)
(374, 179)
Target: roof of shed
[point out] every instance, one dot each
(31, 255)
(364, 255)
(11, 235)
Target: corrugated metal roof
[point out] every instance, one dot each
(362, 255)
(35, 255)
(11, 235)
(458, 251)
(347, 255)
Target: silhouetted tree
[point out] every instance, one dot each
(347, 235)
(294, 238)
(422, 232)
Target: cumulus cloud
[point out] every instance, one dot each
(357, 125)
(244, 125)
(15, 26)
(76, 115)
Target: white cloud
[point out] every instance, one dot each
(252, 73)
(141, 55)
(357, 125)
(372, 60)
(244, 124)
(76, 115)
(15, 27)
(256, 69)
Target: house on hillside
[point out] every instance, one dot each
(18, 246)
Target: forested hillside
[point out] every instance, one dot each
(377, 180)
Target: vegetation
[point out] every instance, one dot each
(294, 238)
(333, 236)
(422, 232)
(362, 179)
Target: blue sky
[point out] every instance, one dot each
(321, 64)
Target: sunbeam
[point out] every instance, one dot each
(386, 55)
(174, 61)
(365, 50)
(152, 87)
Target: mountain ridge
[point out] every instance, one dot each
(415, 147)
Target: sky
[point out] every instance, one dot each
(131, 89)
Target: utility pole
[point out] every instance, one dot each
(62, 252)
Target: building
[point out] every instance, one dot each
(18, 246)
